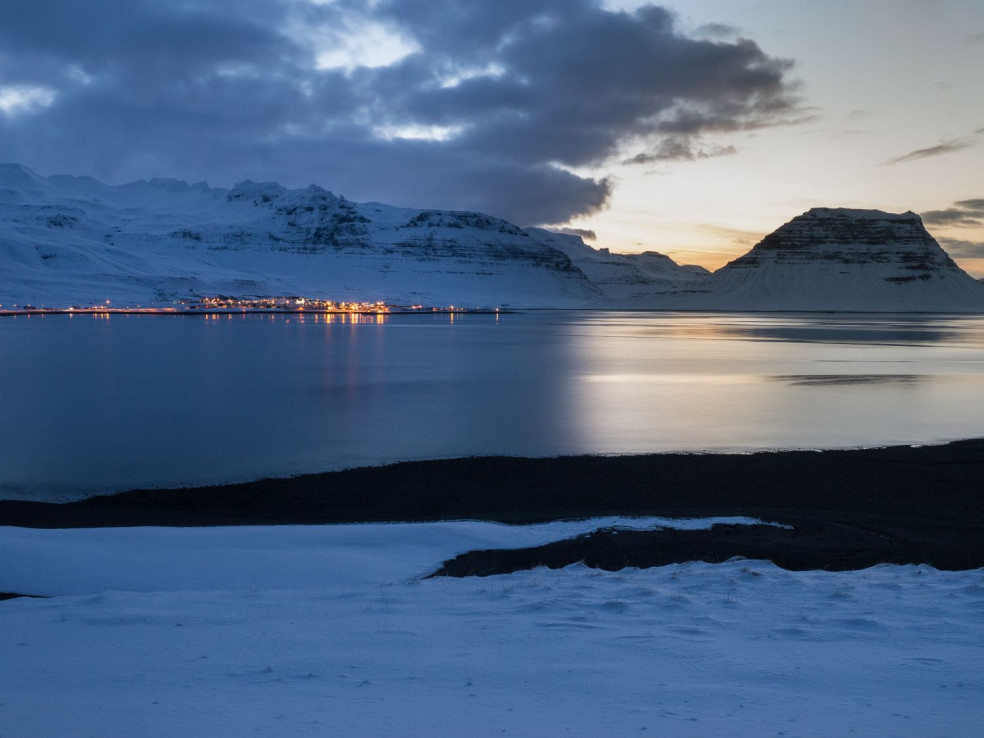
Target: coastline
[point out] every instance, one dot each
(101, 312)
(848, 508)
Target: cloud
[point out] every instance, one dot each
(962, 249)
(15, 100)
(734, 235)
(679, 148)
(486, 105)
(944, 147)
(585, 233)
(964, 213)
(718, 30)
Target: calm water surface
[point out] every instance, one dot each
(93, 404)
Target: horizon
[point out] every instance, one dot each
(692, 128)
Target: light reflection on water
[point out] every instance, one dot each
(92, 404)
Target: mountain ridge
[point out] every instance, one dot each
(76, 240)
(67, 240)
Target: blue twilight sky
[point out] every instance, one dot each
(692, 128)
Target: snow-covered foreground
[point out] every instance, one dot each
(329, 630)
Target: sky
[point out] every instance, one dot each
(692, 128)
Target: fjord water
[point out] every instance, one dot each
(98, 403)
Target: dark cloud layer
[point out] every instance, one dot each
(495, 104)
(964, 213)
(961, 249)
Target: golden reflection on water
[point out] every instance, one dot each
(305, 317)
(844, 328)
(669, 378)
(737, 381)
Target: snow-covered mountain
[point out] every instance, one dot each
(630, 280)
(841, 259)
(73, 240)
(76, 241)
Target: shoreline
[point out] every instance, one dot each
(99, 312)
(848, 508)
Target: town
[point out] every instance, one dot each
(244, 304)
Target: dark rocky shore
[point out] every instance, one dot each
(848, 509)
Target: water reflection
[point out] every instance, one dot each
(803, 327)
(122, 401)
(732, 382)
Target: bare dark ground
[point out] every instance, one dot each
(849, 509)
(809, 545)
(14, 595)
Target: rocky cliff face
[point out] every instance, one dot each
(844, 260)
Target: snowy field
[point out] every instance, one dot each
(331, 630)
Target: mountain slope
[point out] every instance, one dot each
(628, 280)
(841, 260)
(73, 240)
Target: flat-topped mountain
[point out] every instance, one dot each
(73, 240)
(842, 260)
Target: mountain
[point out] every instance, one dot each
(629, 280)
(76, 241)
(840, 259)
(73, 240)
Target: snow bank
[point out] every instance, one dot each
(326, 631)
(88, 561)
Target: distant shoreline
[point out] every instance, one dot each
(487, 311)
(178, 312)
(848, 508)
